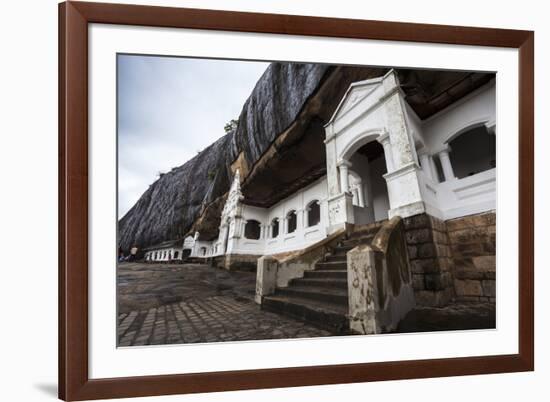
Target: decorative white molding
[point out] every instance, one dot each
(445, 147)
(384, 137)
(491, 126)
(401, 171)
(364, 138)
(345, 163)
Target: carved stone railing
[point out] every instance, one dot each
(380, 288)
(276, 271)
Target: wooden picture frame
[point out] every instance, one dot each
(74, 381)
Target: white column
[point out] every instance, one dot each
(402, 148)
(384, 139)
(360, 194)
(435, 174)
(332, 166)
(344, 175)
(446, 164)
(426, 165)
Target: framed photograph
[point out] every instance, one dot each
(259, 200)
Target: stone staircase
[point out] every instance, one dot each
(321, 296)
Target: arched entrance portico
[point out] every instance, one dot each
(368, 145)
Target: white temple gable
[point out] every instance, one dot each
(355, 93)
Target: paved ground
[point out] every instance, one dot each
(142, 286)
(189, 303)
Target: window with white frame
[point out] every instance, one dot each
(274, 228)
(313, 213)
(291, 222)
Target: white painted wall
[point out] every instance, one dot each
(190, 243)
(460, 197)
(303, 235)
(414, 125)
(478, 107)
(199, 246)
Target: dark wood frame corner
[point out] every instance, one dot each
(74, 382)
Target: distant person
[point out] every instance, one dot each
(133, 253)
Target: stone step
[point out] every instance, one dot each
(341, 250)
(332, 266)
(323, 294)
(339, 283)
(331, 317)
(339, 274)
(336, 258)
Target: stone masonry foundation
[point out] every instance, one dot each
(473, 245)
(452, 260)
(429, 252)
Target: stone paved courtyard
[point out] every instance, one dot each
(191, 303)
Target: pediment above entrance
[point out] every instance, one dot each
(356, 93)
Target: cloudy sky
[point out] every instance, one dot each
(168, 109)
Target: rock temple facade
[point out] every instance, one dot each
(397, 209)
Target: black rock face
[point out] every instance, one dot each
(273, 106)
(168, 209)
(172, 203)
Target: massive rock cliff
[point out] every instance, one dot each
(170, 205)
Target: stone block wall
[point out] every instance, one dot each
(430, 258)
(473, 245)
